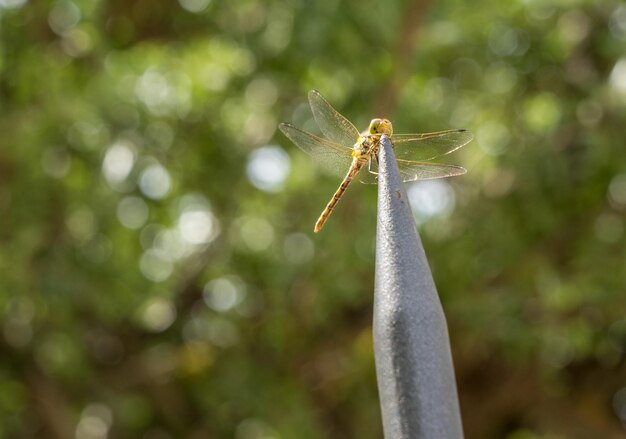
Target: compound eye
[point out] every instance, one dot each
(375, 126)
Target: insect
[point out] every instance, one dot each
(345, 148)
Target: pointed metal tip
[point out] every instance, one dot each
(414, 368)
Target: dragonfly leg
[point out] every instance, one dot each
(373, 157)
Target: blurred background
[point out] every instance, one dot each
(159, 277)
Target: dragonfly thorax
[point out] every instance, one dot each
(368, 142)
(380, 126)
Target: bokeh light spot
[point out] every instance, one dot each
(617, 79)
(132, 212)
(214, 77)
(493, 138)
(261, 92)
(500, 78)
(431, 198)
(224, 293)
(278, 31)
(118, 162)
(10, 4)
(443, 33)
(148, 235)
(87, 135)
(505, 41)
(256, 233)
(95, 421)
(152, 88)
(259, 127)
(194, 6)
(158, 314)
(268, 167)
(542, 112)
(81, 223)
(619, 404)
(558, 351)
(197, 226)
(498, 182)
(155, 266)
(169, 244)
(574, 26)
(155, 182)
(617, 23)
(63, 16)
(77, 42)
(617, 191)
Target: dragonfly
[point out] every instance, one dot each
(346, 152)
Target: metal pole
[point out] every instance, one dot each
(414, 368)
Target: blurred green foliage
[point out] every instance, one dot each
(158, 273)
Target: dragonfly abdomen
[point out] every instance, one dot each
(354, 169)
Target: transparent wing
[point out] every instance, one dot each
(334, 126)
(428, 146)
(369, 172)
(334, 158)
(412, 171)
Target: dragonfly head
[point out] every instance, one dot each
(380, 126)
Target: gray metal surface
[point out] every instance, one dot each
(414, 368)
